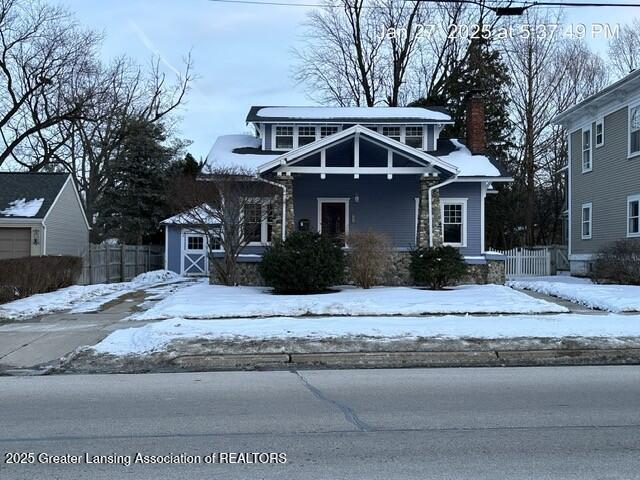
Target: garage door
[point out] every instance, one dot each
(15, 242)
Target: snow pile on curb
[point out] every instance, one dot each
(155, 337)
(214, 301)
(82, 298)
(612, 298)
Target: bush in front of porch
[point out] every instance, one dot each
(303, 263)
(437, 267)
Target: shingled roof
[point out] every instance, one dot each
(347, 115)
(21, 188)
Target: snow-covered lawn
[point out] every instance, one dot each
(613, 298)
(82, 298)
(155, 337)
(212, 301)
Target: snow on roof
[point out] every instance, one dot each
(222, 153)
(23, 208)
(329, 113)
(468, 164)
(195, 216)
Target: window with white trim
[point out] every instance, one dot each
(454, 217)
(586, 151)
(328, 130)
(600, 133)
(195, 243)
(257, 222)
(634, 130)
(633, 216)
(391, 132)
(306, 135)
(284, 137)
(413, 137)
(216, 239)
(587, 217)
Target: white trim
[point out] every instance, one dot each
(632, 198)
(581, 257)
(166, 247)
(59, 194)
(588, 205)
(184, 234)
(629, 152)
(483, 196)
(599, 121)
(582, 149)
(264, 223)
(415, 233)
(358, 170)
(344, 200)
(294, 142)
(455, 201)
(570, 228)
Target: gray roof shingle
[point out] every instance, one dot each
(16, 186)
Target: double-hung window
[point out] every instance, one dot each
(257, 222)
(633, 216)
(600, 133)
(587, 165)
(391, 132)
(587, 221)
(454, 216)
(634, 130)
(413, 137)
(328, 130)
(306, 135)
(284, 138)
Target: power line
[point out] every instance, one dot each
(522, 5)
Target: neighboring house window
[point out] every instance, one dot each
(634, 130)
(587, 216)
(413, 137)
(328, 130)
(195, 242)
(306, 135)
(633, 216)
(391, 132)
(586, 151)
(599, 133)
(258, 222)
(284, 137)
(216, 240)
(454, 215)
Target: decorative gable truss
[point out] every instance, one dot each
(358, 151)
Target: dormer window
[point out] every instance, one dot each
(391, 132)
(306, 135)
(284, 138)
(328, 130)
(413, 137)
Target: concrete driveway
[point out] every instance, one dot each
(33, 344)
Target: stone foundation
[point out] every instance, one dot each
(397, 275)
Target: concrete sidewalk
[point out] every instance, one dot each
(35, 343)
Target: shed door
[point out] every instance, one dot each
(15, 242)
(194, 254)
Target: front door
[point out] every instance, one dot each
(333, 217)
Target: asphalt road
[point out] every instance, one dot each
(534, 423)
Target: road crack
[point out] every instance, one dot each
(349, 415)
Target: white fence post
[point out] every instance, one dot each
(527, 262)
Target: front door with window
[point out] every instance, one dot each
(333, 219)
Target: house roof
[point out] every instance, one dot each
(238, 152)
(29, 195)
(195, 216)
(453, 151)
(630, 83)
(349, 114)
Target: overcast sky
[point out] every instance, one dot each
(241, 53)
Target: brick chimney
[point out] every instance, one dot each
(476, 137)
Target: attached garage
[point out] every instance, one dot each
(15, 242)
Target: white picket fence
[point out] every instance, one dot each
(533, 262)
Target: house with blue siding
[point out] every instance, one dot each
(346, 169)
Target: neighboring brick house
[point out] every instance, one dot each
(384, 169)
(603, 170)
(41, 214)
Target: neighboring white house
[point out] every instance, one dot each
(41, 214)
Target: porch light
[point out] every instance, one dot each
(36, 236)
(356, 198)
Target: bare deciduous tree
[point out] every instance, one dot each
(624, 50)
(229, 206)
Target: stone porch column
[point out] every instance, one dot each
(423, 213)
(287, 182)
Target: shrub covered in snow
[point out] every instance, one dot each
(618, 262)
(437, 267)
(369, 258)
(22, 277)
(304, 263)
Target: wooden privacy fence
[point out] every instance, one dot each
(119, 263)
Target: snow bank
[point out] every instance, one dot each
(214, 301)
(23, 208)
(81, 298)
(155, 337)
(613, 298)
